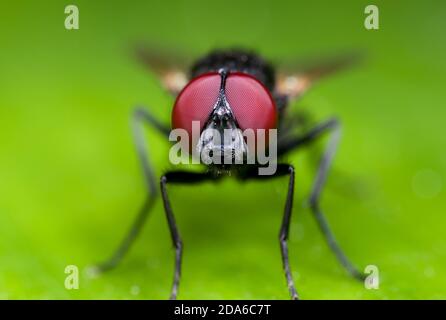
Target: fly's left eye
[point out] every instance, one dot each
(251, 102)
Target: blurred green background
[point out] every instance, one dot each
(70, 182)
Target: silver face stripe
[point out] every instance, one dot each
(221, 141)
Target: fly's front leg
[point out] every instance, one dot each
(333, 127)
(285, 230)
(177, 177)
(139, 118)
(282, 170)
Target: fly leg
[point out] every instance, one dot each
(331, 126)
(282, 170)
(177, 177)
(139, 117)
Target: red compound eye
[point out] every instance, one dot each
(249, 100)
(195, 102)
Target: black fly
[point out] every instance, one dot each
(239, 69)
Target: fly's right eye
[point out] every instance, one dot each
(195, 102)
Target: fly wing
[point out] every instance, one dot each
(170, 65)
(295, 78)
